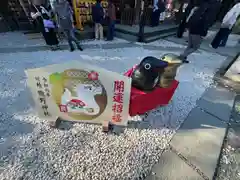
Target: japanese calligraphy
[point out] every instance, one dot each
(117, 118)
(117, 107)
(42, 93)
(119, 86)
(46, 86)
(118, 97)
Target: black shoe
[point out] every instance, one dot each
(52, 48)
(184, 59)
(80, 48)
(72, 49)
(58, 47)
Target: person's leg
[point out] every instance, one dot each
(158, 13)
(153, 18)
(74, 39)
(96, 31)
(181, 29)
(218, 38)
(188, 48)
(101, 31)
(109, 31)
(194, 44)
(113, 29)
(69, 38)
(227, 32)
(53, 41)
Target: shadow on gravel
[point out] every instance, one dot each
(11, 125)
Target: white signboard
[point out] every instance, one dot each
(79, 92)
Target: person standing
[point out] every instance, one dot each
(97, 16)
(64, 14)
(226, 27)
(50, 33)
(111, 20)
(202, 18)
(182, 25)
(41, 16)
(159, 7)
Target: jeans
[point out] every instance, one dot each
(111, 30)
(194, 42)
(71, 38)
(221, 38)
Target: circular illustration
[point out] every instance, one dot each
(79, 93)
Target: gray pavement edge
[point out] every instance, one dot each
(195, 149)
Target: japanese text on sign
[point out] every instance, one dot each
(117, 106)
(43, 92)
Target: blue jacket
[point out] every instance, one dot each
(97, 13)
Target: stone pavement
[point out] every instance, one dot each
(229, 50)
(195, 149)
(12, 42)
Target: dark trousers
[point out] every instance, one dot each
(50, 37)
(155, 17)
(181, 28)
(221, 38)
(111, 30)
(71, 38)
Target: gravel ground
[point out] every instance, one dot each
(229, 168)
(29, 149)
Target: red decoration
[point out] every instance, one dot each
(77, 102)
(93, 76)
(63, 108)
(141, 102)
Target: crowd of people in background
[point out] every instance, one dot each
(100, 18)
(59, 18)
(199, 17)
(228, 22)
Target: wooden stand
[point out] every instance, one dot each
(56, 123)
(106, 125)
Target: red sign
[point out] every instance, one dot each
(117, 107)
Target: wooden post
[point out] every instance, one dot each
(55, 123)
(77, 15)
(141, 23)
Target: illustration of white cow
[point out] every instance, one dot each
(84, 102)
